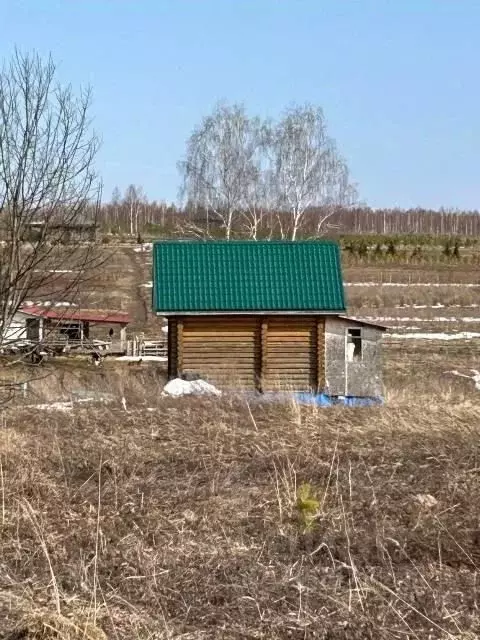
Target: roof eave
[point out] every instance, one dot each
(253, 312)
(367, 323)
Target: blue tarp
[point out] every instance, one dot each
(321, 399)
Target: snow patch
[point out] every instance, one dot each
(52, 406)
(461, 335)
(147, 246)
(436, 306)
(54, 271)
(475, 377)
(412, 284)
(48, 303)
(415, 319)
(142, 358)
(179, 387)
(148, 285)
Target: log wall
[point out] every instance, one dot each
(266, 353)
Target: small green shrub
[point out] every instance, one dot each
(307, 506)
(456, 250)
(391, 248)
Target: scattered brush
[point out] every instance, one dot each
(45, 625)
(189, 522)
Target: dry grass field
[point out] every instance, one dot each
(185, 522)
(156, 518)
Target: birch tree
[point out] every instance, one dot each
(47, 177)
(220, 164)
(134, 200)
(308, 170)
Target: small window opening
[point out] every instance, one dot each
(354, 345)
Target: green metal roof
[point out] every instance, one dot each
(246, 276)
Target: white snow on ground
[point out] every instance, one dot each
(414, 319)
(48, 303)
(412, 284)
(59, 405)
(54, 271)
(52, 406)
(147, 246)
(149, 285)
(142, 358)
(436, 306)
(165, 329)
(179, 387)
(461, 335)
(475, 377)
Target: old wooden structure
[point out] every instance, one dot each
(263, 315)
(64, 232)
(68, 327)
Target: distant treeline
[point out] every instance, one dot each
(143, 218)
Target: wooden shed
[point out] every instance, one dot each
(68, 325)
(263, 315)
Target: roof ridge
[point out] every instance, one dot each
(237, 242)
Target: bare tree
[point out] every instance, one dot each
(48, 185)
(259, 198)
(220, 164)
(116, 200)
(135, 201)
(308, 170)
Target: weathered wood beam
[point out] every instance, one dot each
(320, 353)
(179, 345)
(263, 354)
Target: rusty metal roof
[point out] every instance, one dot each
(69, 314)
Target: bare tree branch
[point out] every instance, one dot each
(221, 164)
(47, 180)
(308, 170)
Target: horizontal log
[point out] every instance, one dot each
(278, 352)
(210, 335)
(237, 365)
(214, 358)
(285, 382)
(221, 346)
(220, 323)
(295, 389)
(221, 327)
(293, 341)
(220, 354)
(299, 368)
(281, 335)
(291, 356)
(287, 321)
(220, 364)
(228, 338)
(221, 319)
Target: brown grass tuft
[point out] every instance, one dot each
(45, 625)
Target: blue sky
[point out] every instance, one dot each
(398, 81)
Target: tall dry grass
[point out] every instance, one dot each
(183, 522)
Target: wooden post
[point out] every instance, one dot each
(263, 355)
(320, 353)
(123, 337)
(180, 345)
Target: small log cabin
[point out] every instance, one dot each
(263, 316)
